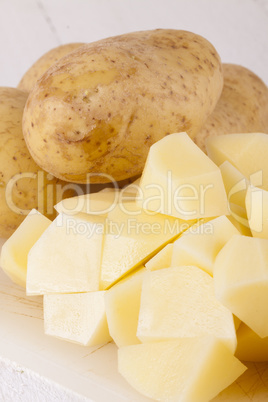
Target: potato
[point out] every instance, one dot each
(85, 323)
(241, 280)
(200, 247)
(247, 152)
(42, 65)
(98, 110)
(123, 317)
(73, 246)
(235, 184)
(14, 252)
(251, 347)
(23, 185)
(180, 302)
(162, 259)
(181, 370)
(132, 237)
(256, 201)
(242, 107)
(181, 181)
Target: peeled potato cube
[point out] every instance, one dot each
(237, 323)
(250, 347)
(179, 302)
(78, 317)
(238, 217)
(246, 152)
(200, 244)
(96, 203)
(15, 250)
(235, 184)
(161, 259)
(181, 370)
(133, 237)
(100, 203)
(122, 304)
(67, 256)
(241, 280)
(180, 180)
(257, 211)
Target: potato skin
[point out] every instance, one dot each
(15, 159)
(42, 65)
(242, 107)
(99, 109)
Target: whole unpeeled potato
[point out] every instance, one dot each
(99, 109)
(242, 107)
(41, 65)
(23, 185)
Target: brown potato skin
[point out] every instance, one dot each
(242, 107)
(99, 109)
(16, 159)
(42, 65)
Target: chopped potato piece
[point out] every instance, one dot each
(235, 184)
(78, 317)
(200, 244)
(257, 211)
(181, 370)
(237, 322)
(94, 203)
(161, 259)
(250, 347)
(238, 217)
(241, 280)
(246, 152)
(66, 258)
(180, 180)
(15, 251)
(133, 237)
(122, 304)
(179, 302)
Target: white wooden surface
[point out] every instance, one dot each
(34, 367)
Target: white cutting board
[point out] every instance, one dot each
(35, 367)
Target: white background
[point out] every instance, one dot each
(28, 28)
